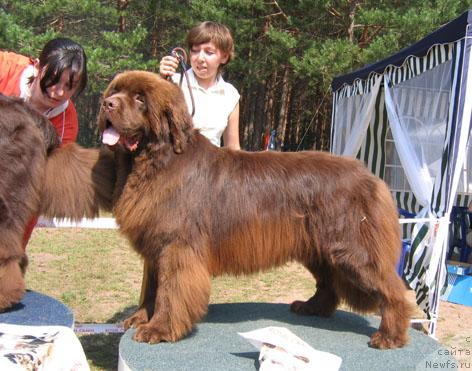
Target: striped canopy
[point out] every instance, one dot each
(408, 117)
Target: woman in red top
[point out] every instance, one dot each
(48, 83)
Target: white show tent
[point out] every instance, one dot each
(408, 117)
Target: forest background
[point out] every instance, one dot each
(287, 52)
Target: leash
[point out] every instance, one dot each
(181, 56)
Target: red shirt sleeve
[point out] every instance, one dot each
(11, 67)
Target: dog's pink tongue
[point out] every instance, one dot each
(110, 136)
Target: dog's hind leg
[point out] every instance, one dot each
(396, 313)
(13, 260)
(182, 295)
(325, 300)
(12, 285)
(367, 289)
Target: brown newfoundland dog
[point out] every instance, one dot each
(34, 168)
(194, 211)
(26, 138)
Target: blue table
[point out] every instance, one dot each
(37, 309)
(215, 344)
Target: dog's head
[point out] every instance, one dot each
(140, 106)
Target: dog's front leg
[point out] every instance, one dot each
(147, 300)
(182, 295)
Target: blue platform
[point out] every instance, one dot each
(216, 345)
(36, 309)
(459, 284)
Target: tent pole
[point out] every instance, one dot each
(441, 275)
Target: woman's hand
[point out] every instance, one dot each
(168, 65)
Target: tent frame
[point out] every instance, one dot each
(369, 100)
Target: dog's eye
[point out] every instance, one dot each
(139, 98)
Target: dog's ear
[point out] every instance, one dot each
(180, 124)
(169, 116)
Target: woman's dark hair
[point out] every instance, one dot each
(59, 55)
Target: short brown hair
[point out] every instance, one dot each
(214, 32)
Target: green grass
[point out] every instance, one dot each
(85, 268)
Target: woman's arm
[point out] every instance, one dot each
(231, 133)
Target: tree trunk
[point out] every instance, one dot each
(121, 6)
(283, 112)
(269, 104)
(259, 117)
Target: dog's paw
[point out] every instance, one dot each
(311, 308)
(137, 319)
(12, 285)
(381, 340)
(150, 334)
(10, 298)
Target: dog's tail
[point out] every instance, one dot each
(78, 182)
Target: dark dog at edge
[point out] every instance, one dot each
(34, 168)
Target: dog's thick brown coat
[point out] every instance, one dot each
(35, 170)
(25, 139)
(193, 210)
